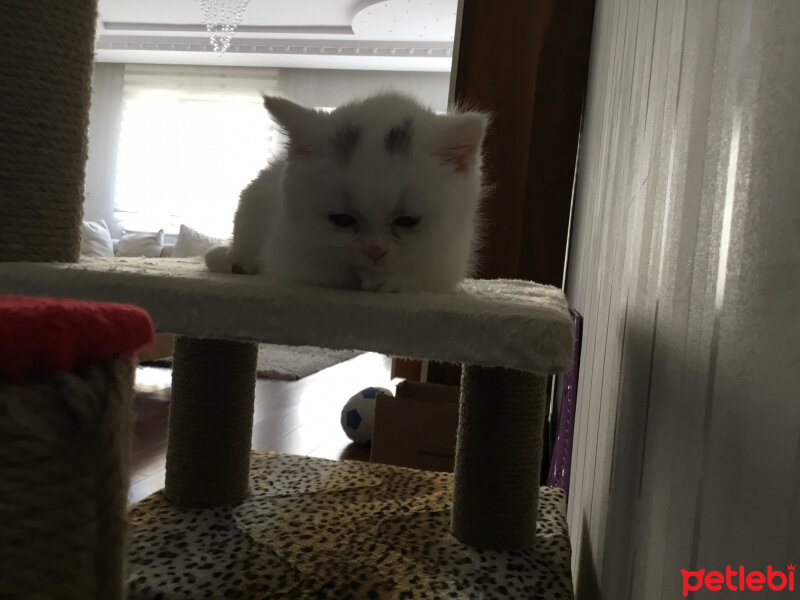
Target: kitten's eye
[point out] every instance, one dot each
(341, 220)
(406, 222)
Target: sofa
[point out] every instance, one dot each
(96, 241)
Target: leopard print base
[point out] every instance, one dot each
(314, 528)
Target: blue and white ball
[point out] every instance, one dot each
(359, 412)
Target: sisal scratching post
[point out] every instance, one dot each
(498, 458)
(63, 479)
(210, 421)
(46, 57)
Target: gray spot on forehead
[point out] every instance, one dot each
(398, 140)
(345, 141)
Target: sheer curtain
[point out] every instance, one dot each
(191, 138)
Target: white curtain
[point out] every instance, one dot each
(191, 138)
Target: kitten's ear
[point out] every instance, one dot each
(302, 125)
(458, 139)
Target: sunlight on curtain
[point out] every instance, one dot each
(191, 139)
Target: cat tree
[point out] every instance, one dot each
(66, 385)
(508, 334)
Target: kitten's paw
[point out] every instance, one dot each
(218, 259)
(371, 283)
(372, 287)
(245, 267)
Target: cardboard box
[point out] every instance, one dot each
(407, 368)
(426, 371)
(417, 427)
(162, 347)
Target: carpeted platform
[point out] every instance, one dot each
(493, 323)
(313, 528)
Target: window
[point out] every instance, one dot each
(191, 139)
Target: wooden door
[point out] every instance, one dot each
(526, 62)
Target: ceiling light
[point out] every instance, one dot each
(221, 17)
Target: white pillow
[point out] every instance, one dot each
(96, 239)
(141, 244)
(192, 243)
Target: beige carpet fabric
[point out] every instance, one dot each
(494, 323)
(288, 363)
(314, 528)
(295, 362)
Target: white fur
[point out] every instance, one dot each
(282, 229)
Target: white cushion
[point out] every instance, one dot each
(192, 243)
(96, 239)
(141, 244)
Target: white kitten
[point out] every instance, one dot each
(380, 194)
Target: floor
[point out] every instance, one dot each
(295, 417)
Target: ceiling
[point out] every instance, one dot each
(407, 35)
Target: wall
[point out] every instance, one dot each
(328, 87)
(104, 121)
(685, 261)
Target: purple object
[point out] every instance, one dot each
(558, 474)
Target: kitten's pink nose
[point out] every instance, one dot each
(374, 252)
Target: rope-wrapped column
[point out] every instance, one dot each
(210, 421)
(498, 458)
(64, 443)
(46, 58)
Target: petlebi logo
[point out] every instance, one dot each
(738, 580)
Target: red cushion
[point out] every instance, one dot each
(41, 334)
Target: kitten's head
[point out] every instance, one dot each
(383, 184)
